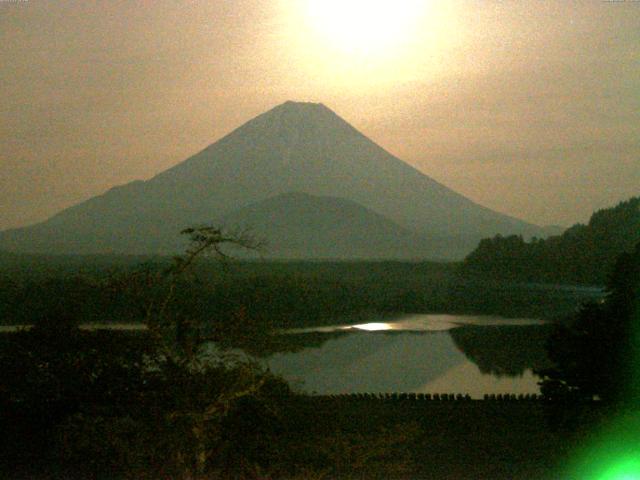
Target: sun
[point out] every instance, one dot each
(359, 45)
(365, 28)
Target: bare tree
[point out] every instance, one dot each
(179, 340)
(153, 290)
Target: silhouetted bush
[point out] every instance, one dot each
(596, 353)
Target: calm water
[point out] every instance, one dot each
(418, 353)
(412, 353)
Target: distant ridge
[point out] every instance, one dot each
(299, 225)
(294, 147)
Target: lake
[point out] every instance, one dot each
(417, 353)
(421, 353)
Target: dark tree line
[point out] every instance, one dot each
(583, 254)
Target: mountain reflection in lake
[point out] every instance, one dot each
(417, 353)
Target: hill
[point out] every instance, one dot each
(582, 254)
(298, 225)
(295, 147)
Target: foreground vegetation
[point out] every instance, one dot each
(597, 351)
(163, 404)
(283, 436)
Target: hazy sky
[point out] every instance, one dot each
(531, 108)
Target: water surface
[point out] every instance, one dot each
(421, 323)
(418, 353)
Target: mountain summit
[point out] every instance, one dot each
(294, 147)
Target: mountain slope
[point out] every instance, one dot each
(299, 147)
(298, 225)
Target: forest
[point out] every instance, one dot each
(583, 254)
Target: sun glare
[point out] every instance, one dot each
(364, 27)
(360, 44)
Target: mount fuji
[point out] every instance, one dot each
(302, 177)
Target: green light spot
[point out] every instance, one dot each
(624, 470)
(612, 453)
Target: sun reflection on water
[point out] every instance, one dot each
(373, 327)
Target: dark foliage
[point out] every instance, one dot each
(504, 351)
(583, 254)
(99, 404)
(597, 352)
(239, 304)
(51, 373)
